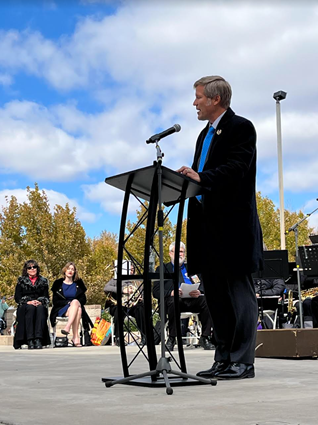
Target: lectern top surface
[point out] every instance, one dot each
(172, 183)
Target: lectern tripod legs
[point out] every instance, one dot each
(163, 367)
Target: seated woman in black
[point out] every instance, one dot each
(32, 297)
(68, 300)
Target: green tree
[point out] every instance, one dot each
(136, 243)
(11, 246)
(98, 266)
(31, 230)
(270, 222)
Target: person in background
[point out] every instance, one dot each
(3, 308)
(130, 288)
(269, 287)
(196, 303)
(69, 300)
(32, 297)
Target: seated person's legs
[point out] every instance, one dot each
(74, 314)
(40, 325)
(195, 305)
(30, 316)
(314, 311)
(137, 311)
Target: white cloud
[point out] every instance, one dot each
(109, 197)
(140, 63)
(55, 198)
(6, 79)
(310, 208)
(32, 144)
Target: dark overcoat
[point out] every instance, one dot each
(168, 283)
(225, 228)
(59, 301)
(25, 292)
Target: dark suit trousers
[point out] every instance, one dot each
(35, 321)
(233, 306)
(194, 305)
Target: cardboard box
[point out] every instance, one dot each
(287, 343)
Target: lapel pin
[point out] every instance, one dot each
(219, 132)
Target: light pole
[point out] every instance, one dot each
(278, 96)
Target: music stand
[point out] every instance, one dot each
(275, 267)
(294, 229)
(309, 259)
(314, 239)
(159, 185)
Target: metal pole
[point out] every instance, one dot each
(280, 176)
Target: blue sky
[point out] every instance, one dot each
(84, 83)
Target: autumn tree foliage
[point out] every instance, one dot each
(136, 243)
(31, 230)
(270, 222)
(53, 237)
(99, 265)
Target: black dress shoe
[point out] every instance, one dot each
(237, 371)
(37, 344)
(30, 344)
(206, 343)
(216, 367)
(170, 343)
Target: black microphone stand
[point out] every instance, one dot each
(163, 365)
(294, 229)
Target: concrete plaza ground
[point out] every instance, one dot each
(63, 386)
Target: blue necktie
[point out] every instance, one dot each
(204, 152)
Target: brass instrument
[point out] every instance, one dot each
(110, 300)
(309, 293)
(291, 308)
(131, 295)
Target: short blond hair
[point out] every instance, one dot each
(216, 85)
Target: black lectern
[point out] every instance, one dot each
(156, 184)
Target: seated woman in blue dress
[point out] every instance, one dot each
(68, 301)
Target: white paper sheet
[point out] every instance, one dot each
(187, 288)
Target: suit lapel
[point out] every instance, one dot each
(216, 137)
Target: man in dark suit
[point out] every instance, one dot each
(196, 303)
(224, 236)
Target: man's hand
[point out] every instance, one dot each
(172, 293)
(186, 171)
(195, 293)
(257, 295)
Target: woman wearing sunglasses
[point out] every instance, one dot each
(32, 297)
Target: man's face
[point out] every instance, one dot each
(181, 256)
(206, 107)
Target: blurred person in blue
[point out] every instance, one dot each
(195, 303)
(3, 308)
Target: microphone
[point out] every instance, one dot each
(156, 137)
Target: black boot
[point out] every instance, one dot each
(30, 344)
(37, 343)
